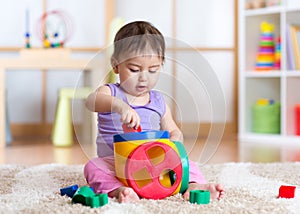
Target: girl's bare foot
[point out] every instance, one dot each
(216, 190)
(124, 195)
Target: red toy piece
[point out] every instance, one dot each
(286, 191)
(127, 129)
(140, 163)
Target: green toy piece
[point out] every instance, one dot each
(98, 200)
(199, 196)
(86, 196)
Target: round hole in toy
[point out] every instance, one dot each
(139, 160)
(167, 178)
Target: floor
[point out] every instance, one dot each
(32, 151)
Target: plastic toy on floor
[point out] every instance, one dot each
(85, 196)
(286, 191)
(150, 163)
(199, 197)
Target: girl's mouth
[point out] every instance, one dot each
(141, 88)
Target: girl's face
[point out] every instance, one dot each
(140, 74)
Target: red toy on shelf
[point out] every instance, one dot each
(297, 118)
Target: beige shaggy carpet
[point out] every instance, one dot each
(250, 188)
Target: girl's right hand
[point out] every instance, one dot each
(129, 116)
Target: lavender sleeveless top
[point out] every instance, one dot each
(109, 123)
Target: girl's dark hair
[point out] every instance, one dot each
(137, 38)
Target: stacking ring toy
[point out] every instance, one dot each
(146, 167)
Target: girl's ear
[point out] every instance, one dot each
(114, 65)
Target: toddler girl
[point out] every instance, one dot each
(139, 50)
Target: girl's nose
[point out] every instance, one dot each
(142, 76)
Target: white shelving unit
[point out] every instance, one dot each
(281, 85)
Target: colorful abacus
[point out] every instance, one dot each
(27, 33)
(265, 57)
(27, 40)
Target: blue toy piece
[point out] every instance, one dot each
(69, 191)
(86, 196)
(199, 196)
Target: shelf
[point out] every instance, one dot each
(274, 73)
(39, 59)
(264, 11)
(271, 140)
(293, 73)
(263, 74)
(279, 85)
(266, 139)
(293, 9)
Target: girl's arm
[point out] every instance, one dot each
(102, 101)
(168, 123)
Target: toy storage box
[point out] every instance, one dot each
(266, 118)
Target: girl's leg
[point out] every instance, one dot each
(198, 182)
(195, 175)
(100, 175)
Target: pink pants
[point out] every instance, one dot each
(100, 174)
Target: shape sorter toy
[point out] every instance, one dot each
(151, 164)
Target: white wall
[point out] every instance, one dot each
(200, 23)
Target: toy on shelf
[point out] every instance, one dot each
(27, 40)
(254, 4)
(151, 164)
(277, 57)
(27, 31)
(286, 191)
(297, 119)
(271, 3)
(54, 29)
(85, 196)
(265, 57)
(266, 116)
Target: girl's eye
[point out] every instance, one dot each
(134, 70)
(152, 71)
